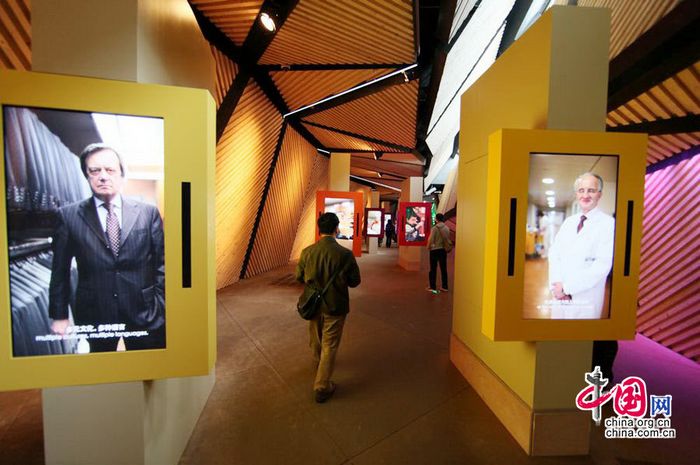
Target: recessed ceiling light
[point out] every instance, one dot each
(267, 22)
(548, 181)
(550, 199)
(549, 193)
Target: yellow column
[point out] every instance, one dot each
(411, 258)
(555, 76)
(339, 172)
(154, 41)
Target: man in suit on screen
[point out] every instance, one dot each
(118, 246)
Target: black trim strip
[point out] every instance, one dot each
(511, 236)
(628, 236)
(263, 200)
(186, 235)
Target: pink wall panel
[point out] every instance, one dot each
(669, 287)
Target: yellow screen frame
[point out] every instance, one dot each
(508, 174)
(189, 123)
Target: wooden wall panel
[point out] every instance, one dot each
(306, 232)
(669, 288)
(243, 157)
(226, 71)
(285, 203)
(15, 35)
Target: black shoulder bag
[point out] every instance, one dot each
(310, 300)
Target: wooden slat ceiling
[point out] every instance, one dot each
(389, 115)
(232, 17)
(630, 18)
(294, 85)
(326, 47)
(336, 140)
(388, 167)
(226, 71)
(341, 31)
(15, 35)
(677, 96)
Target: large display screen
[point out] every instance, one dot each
(345, 209)
(569, 242)
(85, 231)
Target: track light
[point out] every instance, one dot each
(268, 21)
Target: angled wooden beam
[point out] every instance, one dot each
(334, 67)
(668, 47)
(370, 89)
(403, 148)
(688, 123)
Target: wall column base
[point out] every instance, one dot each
(539, 433)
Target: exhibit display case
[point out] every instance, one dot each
(563, 234)
(95, 289)
(349, 208)
(414, 223)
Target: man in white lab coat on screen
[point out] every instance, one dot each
(582, 254)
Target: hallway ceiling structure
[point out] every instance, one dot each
(323, 48)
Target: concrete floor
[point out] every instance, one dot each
(399, 399)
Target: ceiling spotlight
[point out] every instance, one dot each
(268, 21)
(548, 192)
(548, 181)
(550, 199)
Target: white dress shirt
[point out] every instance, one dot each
(102, 211)
(581, 261)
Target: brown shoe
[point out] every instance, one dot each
(322, 396)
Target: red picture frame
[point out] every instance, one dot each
(350, 235)
(374, 228)
(411, 232)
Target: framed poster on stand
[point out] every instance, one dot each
(373, 222)
(413, 228)
(349, 208)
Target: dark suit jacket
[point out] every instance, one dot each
(127, 289)
(316, 266)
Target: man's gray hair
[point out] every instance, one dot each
(588, 173)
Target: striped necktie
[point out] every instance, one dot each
(113, 229)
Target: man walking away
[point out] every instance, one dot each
(439, 244)
(317, 265)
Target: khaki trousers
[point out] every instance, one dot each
(324, 338)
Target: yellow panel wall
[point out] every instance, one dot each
(543, 96)
(243, 157)
(306, 231)
(15, 35)
(285, 201)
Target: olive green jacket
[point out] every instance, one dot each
(316, 266)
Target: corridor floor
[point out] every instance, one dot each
(399, 401)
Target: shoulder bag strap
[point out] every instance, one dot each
(328, 284)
